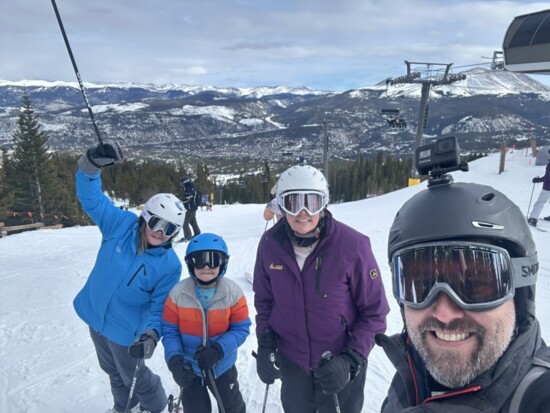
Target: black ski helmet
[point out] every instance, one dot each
(185, 180)
(468, 211)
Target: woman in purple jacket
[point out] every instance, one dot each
(319, 300)
(544, 195)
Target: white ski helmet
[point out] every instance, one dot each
(302, 178)
(165, 206)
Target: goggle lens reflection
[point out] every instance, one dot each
(160, 224)
(293, 202)
(474, 275)
(201, 259)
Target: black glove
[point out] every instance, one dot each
(102, 155)
(536, 179)
(182, 372)
(207, 357)
(105, 154)
(144, 346)
(335, 373)
(266, 359)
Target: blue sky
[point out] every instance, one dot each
(323, 44)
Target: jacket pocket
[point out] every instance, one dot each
(141, 267)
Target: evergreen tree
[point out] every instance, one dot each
(203, 183)
(6, 197)
(30, 175)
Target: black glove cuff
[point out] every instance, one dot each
(268, 340)
(92, 160)
(149, 334)
(174, 361)
(355, 360)
(219, 348)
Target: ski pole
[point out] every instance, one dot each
(214, 389)
(272, 359)
(179, 400)
(265, 397)
(132, 387)
(327, 355)
(530, 199)
(77, 73)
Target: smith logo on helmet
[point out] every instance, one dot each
(529, 270)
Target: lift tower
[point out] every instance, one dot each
(432, 77)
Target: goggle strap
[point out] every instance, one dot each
(525, 270)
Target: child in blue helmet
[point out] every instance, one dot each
(205, 320)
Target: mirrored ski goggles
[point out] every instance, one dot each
(201, 259)
(476, 276)
(312, 202)
(160, 224)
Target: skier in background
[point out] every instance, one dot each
(544, 195)
(272, 210)
(191, 201)
(135, 269)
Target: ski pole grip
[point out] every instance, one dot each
(327, 355)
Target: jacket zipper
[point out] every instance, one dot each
(318, 262)
(136, 273)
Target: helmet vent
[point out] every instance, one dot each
(488, 197)
(487, 225)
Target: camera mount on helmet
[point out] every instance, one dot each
(438, 158)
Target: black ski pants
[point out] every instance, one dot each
(189, 222)
(299, 393)
(115, 361)
(196, 399)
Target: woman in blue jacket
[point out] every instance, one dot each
(135, 269)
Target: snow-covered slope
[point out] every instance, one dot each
(47, 358)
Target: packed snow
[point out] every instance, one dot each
(47, 357)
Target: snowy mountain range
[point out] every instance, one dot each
(253, 124)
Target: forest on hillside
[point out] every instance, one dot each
(37, 185)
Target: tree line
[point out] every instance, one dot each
(39, 186)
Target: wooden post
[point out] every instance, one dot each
(534, 146)
(502, 157)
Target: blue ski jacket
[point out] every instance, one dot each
(126, 290)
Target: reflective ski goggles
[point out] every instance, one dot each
(160, 224)
(312, 202)
(476, 276)
(201, 259)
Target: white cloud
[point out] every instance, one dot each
(316, 43)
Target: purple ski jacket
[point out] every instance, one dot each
(337, 301)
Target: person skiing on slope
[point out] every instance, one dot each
(205, 320)
(317, 288)
(124, 295)
(544, 194)
(191, 202)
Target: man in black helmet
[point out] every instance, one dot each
(464, 267)
(191, 202)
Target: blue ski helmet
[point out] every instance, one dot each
(207, 242)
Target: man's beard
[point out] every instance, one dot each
(455, 368)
